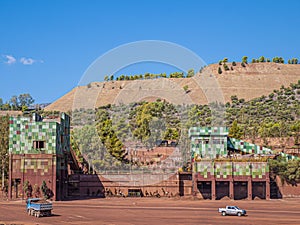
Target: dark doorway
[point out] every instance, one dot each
(135, 192)
(204, 188)
(240, 190)
(259, 190)
(184, 179)
(16, 185)
(222, 189)
(274, 189)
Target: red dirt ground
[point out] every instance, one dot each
(154, 211)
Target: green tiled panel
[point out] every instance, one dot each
(249, 148)
(207, 131)
(210, 150)
(223, 169)
(259, 169)
(226, 169)
(208, 142)
(211, 142)
(23, 132)
(204, 168)
(241, 169)
(288, 157)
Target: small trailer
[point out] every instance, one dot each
(38, 207)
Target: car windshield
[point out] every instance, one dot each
(236, 207)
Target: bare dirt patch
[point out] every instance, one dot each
(154, 211)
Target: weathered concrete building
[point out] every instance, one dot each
(38, 152)
(218, 172)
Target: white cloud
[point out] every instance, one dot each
(9, 59)
(30, 61)
(27, 61)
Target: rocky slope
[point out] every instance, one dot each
(253, 80)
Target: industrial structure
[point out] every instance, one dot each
(38, 151)
(224, 166)
(221, 166)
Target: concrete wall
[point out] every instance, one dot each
(84, 185)
(34, 168)
(288, 190)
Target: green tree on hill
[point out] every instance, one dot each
(245, 59)
(262, 59)
(219, 70)
(190, 73)
(23, 101)
(235, 130)
(287, 170)
(293, 61)
(226, 68)
(108, 136)
(278, 60)
(177, 75)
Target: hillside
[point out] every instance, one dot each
(253, 80)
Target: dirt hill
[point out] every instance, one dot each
(253, 80)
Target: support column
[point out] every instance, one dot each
(213, 189)
(231, 190)
(10, 177)
(249, 189)
(268, 190)
(53, 182)
(195, 186)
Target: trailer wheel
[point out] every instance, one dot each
(28, 212)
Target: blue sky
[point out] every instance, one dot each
(46, 46)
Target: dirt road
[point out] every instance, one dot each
(154, 211)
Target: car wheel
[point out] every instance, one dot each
(223, 213)
(239, 214)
